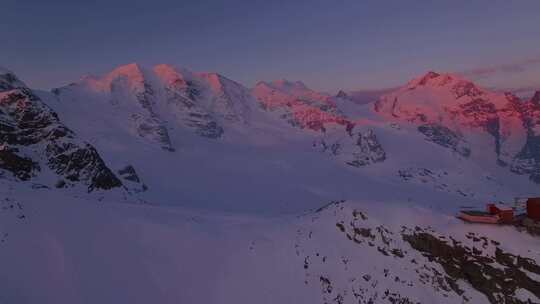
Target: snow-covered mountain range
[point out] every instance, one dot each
(171, 114)
(210, 157)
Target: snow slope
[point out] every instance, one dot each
(69, 250)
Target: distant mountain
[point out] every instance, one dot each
(154, 126)
(143, 102)
(273, 194)
(363, 96)
(307, 109)
(299, 105)
(456, 113)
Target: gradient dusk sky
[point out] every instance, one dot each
(327, 44)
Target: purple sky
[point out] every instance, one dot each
(327, 44)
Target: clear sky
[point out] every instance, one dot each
(332, 44)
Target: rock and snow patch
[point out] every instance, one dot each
(299, 106)
(356, 148)
(527, 161)
(445, 137)
(36, 143)
(375, 261)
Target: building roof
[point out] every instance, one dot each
(503, 207)
(476, 213)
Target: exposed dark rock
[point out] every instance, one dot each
(461, 262)
(356, 149)
(209, 129)
(428, 76)
(328, 205)
(342, 94)
(8, 81)
(536, 98)
(60, 184)
(445, 137)
(132, 181)
(466, 88)
(368, 150)
(129, 173)
(326, 284)
(438, 261)
(28, 125)
(333, 148)
(153, 129)
(527, 161)
(493, 128)
(78, 163)
(22, 167)
(194, 117)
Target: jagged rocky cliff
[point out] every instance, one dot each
(34, 143)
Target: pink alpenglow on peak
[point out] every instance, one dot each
(172, 76)
(214, 80)
(441, 103)
(300, 106)
(428, 96)
(459, 84)
(282, 92)
(130, 76)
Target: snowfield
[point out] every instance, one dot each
(67, 250)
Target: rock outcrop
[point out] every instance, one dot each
(356, 148)
(445, 137)
(33, 139)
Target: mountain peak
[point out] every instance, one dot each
(132, 74)
(163, 67)
(282, 85)
(342, 94)
(288, 84)
(171, 75)
(536, 98)
(435, 93)
(9, 81)
(220, 84)
(215, 80)
(425, 79)
(434, 79)
(132, 70)
(431, 75)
